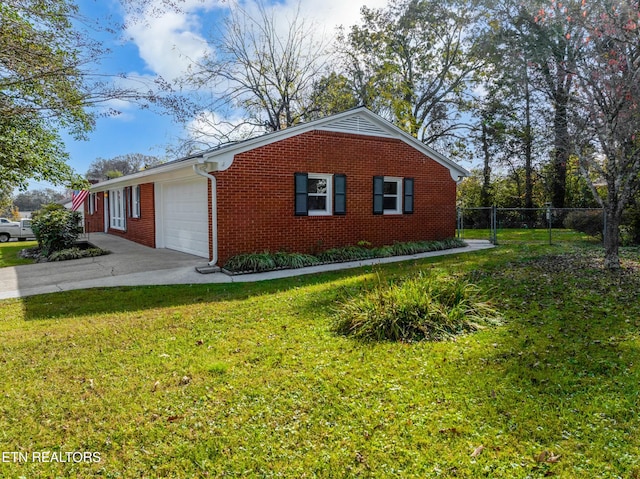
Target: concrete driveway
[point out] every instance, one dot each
(131, 264)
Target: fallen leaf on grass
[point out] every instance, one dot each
(542, 457)
(477, 451)
(553, 458)
(546, 456)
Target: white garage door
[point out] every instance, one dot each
(185, 216)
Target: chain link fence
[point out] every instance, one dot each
(530, 225)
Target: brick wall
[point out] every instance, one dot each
(141, 230)
(256, 195)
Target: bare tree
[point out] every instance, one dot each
(255, 68)
(102, 169)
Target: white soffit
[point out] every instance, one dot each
(356, 124)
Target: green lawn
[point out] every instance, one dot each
(9, 253)
(529, 235)
(248, 380)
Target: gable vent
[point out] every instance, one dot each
(358, 125)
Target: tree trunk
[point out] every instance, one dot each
(561, 155)
(612, 237)
(528, 146)
(485, 192)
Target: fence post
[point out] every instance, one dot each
(604, 226)
(548, 205)
(460, 222)
(494, 224)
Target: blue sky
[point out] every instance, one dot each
(160, 44)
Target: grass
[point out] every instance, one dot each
(249, 380)
(9, 253)
(419, 307)
(532, 235)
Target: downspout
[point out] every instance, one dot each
(214, 210)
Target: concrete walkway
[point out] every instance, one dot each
(131, 264)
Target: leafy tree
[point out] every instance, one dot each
(332, 94)
(553, 44)
(5, 200)
(413, 62)
(40, 89)
(102, 169)
(49, 83)
(35, 199)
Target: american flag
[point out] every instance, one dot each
(77, 198)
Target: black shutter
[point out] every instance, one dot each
(127, 200)
(408, 196)
(339, 195)
(301, 201)
(378, 195)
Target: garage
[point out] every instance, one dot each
(184, 219)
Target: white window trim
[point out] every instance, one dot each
(92, 203)
(117, 211)
(328, 211)
(135, 201)
(398, 209)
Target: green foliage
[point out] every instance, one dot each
(631, 224)
(588, 222)
(422, 307)
(33, 200)
(76, 253)
(56, 228)
(412, 61)
(294, 260)
(346, 253)
(253, 262)
(265, 261)
(333, 94)
(41, 89)
(275, 392)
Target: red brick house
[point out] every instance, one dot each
(332, 182)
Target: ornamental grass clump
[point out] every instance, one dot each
(294, 260)
(421, 307)
(251, 262)
(346, 253)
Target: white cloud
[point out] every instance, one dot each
(333, 13)
(169, 40)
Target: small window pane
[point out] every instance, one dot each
(390, 203)
(390, 187)
(318, 203)
(317, 186)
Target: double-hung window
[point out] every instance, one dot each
(135, 201)
(117, 209)
(92, 203)
(319, 194)
(392, 195)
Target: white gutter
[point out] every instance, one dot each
(214, 210)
